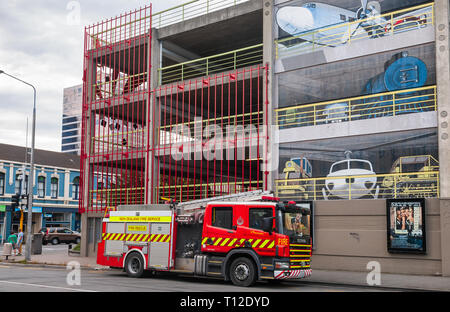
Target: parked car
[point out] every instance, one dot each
(58, 235)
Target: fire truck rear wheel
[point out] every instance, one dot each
(134, 265)
(243, 272)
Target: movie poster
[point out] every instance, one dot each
(406, 225)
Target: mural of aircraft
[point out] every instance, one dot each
(320, 23)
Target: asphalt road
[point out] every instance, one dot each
(23, 278)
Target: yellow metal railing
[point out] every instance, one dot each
(190, 10)
(357, 108)
(109, 34)
(113, 197)
(393, 185)
(119, 141)
(377, 26)
(254, 118)
(122, 85)
(190, 190)
(222, 62)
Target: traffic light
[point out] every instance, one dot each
(15, 201)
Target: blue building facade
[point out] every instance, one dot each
(56, 189)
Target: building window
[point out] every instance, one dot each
(18, 184)
(41, 187)
(222, 217)
(76, 188)
(54, 188)
(257, 215)
(2, 184)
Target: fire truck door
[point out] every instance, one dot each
(159, 245)
(219, 232)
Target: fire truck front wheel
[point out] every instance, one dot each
(243, 272)
(134, 265)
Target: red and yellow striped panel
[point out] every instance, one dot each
(239, 242)
(146, 238)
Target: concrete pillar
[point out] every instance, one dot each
(152, 167)
(88, 170)
(84, 235)
(441, 19)
(270, 164)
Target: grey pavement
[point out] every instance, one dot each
(57, 255)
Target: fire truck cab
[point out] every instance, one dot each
(240, 241)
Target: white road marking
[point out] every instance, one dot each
(46, 286)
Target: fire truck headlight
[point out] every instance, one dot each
(281, 265)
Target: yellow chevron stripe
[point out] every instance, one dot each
(241, 242)
(217, 241)
(255, 244)
(232, 242)
(224, 241)
(167, 239)
(264, 243)
(139, 239)
(146, 237)
(271, 244)
(156, 238)
(204, 240)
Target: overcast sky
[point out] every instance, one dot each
(42, 43)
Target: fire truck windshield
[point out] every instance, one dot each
(295, 222)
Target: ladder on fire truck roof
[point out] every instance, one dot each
(245, 196)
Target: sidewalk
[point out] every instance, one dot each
(60, 259)
(394, 281)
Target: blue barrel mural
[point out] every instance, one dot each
(401, 72)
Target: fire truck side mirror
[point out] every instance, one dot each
(268, 225)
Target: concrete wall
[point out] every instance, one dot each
(349, 234)
(442, 18)
(89, 242)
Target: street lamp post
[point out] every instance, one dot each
(30, 179)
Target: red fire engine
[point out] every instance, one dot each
(242, 238)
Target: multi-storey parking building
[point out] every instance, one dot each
(341, 103)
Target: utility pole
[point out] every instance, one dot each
(24, 178)
(30, 180)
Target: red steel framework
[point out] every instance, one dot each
(210, 135)
(189, 140)
(116, 79)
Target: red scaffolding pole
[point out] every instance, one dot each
(184, 141)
